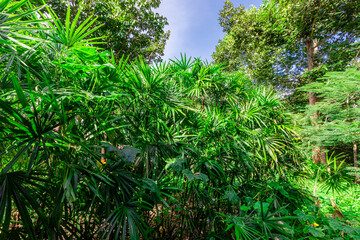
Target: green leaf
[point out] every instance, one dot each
(195, 176)
(314, 231)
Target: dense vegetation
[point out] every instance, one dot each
(277, 42)
(94, 146)
(130, 27)
(291, 44)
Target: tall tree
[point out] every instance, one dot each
(131, 27)
(282, 40)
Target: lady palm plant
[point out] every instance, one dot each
(227, 149)
(18, 37)
(72, 34)
(335, 175)
(15, 26)
(51, 138)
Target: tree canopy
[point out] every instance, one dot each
(131, 28)
(281, 40)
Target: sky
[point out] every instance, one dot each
(194, 26)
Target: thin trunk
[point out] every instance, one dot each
(323, 155)
(203, 102)
(355, 158)
(103, 160)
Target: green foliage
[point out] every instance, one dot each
(337, 178)
(279, 41)
(17, 35)
(95, 147)
(337, 124)
(338, 108)
(131, 28)
(322, 227)
(72, 35)
(321, 221)
(346, 201)
(334, 176)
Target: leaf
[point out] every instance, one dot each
(244, 208)
(151, 185)
(232, 197)
(335, 224)
(126, 153)
(176, 163)
(303, 217)
(315, 232)
(265, 206)
(197, 176)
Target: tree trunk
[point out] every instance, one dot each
(355, 158)
(311, 50)
(323, 156)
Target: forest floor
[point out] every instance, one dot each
(348, 201)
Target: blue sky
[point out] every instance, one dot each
(194, 26)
